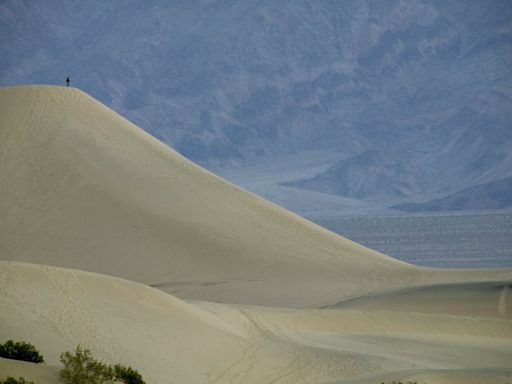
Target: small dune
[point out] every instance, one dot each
(484, 299)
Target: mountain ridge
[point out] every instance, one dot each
(492, 195)
(227, 83)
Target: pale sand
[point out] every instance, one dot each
(171, 341)
(38, 373)
(83, 188)
(487, 299)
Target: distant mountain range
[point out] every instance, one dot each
(493, 195)
(415, 96)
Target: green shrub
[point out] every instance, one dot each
(81, 368)
(20, 351)
(127, 375)
(12, 380)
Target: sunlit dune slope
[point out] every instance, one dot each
(120, 321)
(82, 187)
(171, 341)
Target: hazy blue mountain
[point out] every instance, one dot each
(372, 173)
(493, 195)
(414, 95)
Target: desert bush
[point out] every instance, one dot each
(12, 380)
(81, 367)
(127, 375)
(20, 351)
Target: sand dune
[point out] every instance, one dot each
(445, 376)
(169, 340)
(118, 320)
(38, 373)
(270, 297)
(486, 299)
(84, 188)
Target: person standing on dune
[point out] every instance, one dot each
(67, 82)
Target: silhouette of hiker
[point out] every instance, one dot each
(67, 82)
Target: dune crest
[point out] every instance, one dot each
(84, 188)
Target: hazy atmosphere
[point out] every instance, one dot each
(220, 191)
(388, 103)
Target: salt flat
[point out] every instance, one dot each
(112, 240)
(448, 240)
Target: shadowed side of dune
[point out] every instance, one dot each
(484, 299)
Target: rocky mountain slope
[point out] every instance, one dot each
(493, 195)
(422, 84)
